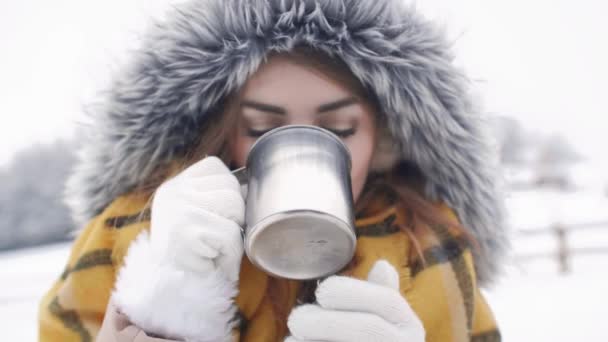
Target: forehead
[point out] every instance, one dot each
(283, 82)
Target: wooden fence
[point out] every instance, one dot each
(564, 251)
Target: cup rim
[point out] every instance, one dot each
(311, 127)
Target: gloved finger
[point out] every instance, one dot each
(230, 264)
(195, 264)
(218, 231)
(190, 253)
(211, 165)
(293, 339)
(223, 235)
(212, 182)
(312, 322)
(207, 249)
(244, 190)
(384, 274)
(226, 203)
(187, 238)
(349, 294)
(205, 220)
(203, 226)
(216, 250)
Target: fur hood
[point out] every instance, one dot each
(188, 63)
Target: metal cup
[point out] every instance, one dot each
(299, 207)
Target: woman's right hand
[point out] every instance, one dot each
(179, 280)
(197, 218)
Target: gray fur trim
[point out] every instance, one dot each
(187, 64)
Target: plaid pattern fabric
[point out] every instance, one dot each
(488, 336)
(74, 307)
(439, 283)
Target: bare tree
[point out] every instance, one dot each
(512, 139)
(556, 149)
(555, 156)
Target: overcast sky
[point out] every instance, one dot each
(542, 62)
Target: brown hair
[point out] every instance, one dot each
(404, 179)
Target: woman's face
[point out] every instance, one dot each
(282, 93)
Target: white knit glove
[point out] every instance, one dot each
(197, 218)
(349, 309)
(180, 280)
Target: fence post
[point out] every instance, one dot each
(563, 254)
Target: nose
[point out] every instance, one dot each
(302, 120)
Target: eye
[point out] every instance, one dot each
(257, 133)
(342, 133)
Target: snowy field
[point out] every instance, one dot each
(532, 302)
(24, 276)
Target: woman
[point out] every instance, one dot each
(161, 257)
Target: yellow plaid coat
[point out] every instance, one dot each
(439, 283)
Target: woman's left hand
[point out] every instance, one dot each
(349, 309)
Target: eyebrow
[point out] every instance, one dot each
(264, 107)
(272, 109)
(337, 104)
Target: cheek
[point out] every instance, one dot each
(239, 150)
(361, 153)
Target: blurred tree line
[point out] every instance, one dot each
(547, 159)
(31, 207)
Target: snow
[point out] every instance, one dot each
(535, 303)
(534, 208)
(25, 275)
(532, 301)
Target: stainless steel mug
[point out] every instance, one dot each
(299, 207)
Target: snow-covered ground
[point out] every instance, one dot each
(535, 303)
(24, 276)
(532, 302)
